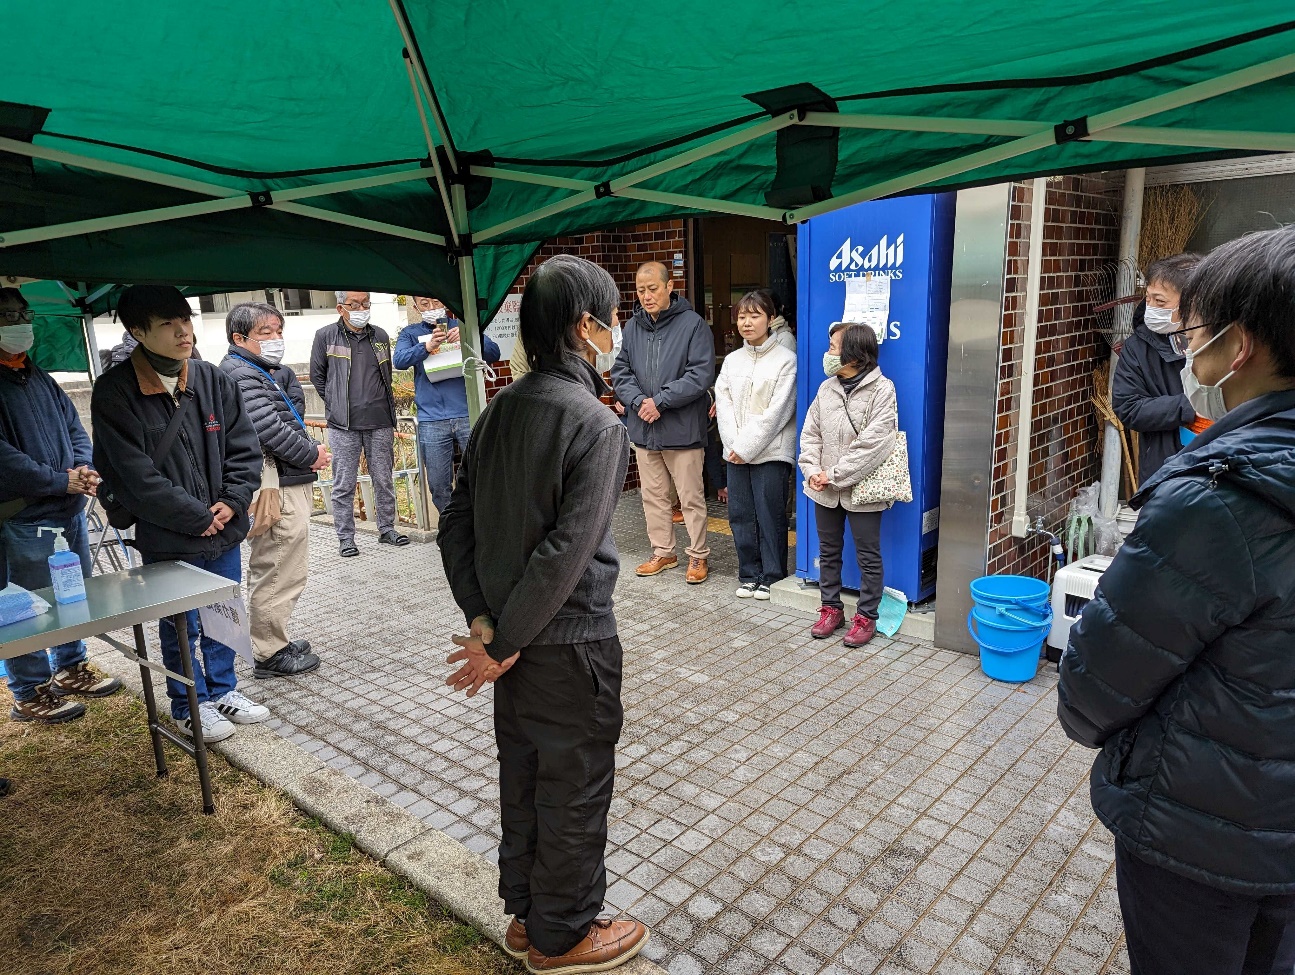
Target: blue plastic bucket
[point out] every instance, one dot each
(1010, 591)
(1010, 634)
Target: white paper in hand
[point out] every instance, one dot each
(447, 363)
(227, 623)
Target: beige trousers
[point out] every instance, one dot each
(658, 469)
(276, 571)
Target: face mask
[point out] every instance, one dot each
(435, 316)
(272, 349)
(1160, 320)
(359, 319)
(831, 364)
(604, 360)
(15, 339)
(1207, 401)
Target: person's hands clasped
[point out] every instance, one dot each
(819, 481)
(648, 412)
(733, 458)
(221, 514)
(322, 459)
(478, 667)
(83, 480)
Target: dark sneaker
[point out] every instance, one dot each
(286, 663)
(80, 679)
(862, 630)
(610, 943)
(516, 942)
(299, 646)
(830, 619)
(46, 708)
(348, 550)
(393, 537)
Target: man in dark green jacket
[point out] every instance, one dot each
(1182, 667)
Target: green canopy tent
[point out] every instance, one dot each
(428, 146)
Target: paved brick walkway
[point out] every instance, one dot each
(782, 804)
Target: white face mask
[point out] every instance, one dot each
(435, 316)
(1160, 320)
(1207, 401)
(16, 338)
(604, 360)
(359, 319)
(272, 349)
(831, 364)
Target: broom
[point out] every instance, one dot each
(1106, 413)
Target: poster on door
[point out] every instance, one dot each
(503, 327)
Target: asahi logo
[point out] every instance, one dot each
(885, 257)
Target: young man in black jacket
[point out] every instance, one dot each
(280, 552)
(190, 504)
(1181, 667)
(45, 478)
(548, 460)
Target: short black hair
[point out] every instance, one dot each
(243, 318)
(1249, 281)
(557, 296)
(859, 347)
(758, 300)
(16, 294)
(1174, 271)
(141, 303)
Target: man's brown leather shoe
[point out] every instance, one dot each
(657, 564)
(516, 942)
(611, 942)
(697, 572)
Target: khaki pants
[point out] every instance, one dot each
(658, 469)
(276, 571)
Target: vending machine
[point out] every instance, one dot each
(842, 259)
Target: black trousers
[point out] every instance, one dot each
(757, 513)
(865, 526)
(558, 717)
(1176, 926)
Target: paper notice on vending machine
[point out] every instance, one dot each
(867, 301)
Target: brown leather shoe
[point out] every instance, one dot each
(516, 941)
(657, 564)
(611, 942)
(697, 572)
(676, 516)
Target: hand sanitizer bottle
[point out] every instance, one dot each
(65, 573)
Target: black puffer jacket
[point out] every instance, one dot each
(264, 384)
(1182, 667)
(672, 361)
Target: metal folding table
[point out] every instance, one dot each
(132, 598)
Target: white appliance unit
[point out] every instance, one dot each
(1072, 587)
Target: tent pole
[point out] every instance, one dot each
(470, 333)
(431, 149)
(91, 341)
(570, 202)
(420, 70)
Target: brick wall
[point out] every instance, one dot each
(621, 252)
(1081, 233)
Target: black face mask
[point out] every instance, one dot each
(164, 366)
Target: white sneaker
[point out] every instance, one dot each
(240, 709)
(214, 726)
(746, 590)
(762, 592)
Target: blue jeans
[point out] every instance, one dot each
(757, 513)
(214, 676)
(436, 440)
(28, 551)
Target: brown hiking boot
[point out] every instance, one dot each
(697, 572)
(516, 942)
(611, 942)
(80, 679)
(46, 708)
(657, 564)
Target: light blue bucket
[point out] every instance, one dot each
(1009, 623)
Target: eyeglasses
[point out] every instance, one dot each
(351, 306)
(1181, 340)
(14, 316)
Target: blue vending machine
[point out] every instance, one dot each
(910, 241)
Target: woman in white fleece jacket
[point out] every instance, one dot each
(755, 404)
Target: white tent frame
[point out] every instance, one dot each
(1026, 137)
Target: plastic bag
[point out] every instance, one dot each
(17, 604)
(1088, 531)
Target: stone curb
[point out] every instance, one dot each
(464, 883)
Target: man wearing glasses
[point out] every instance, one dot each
(45, 477)
(350, 368)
